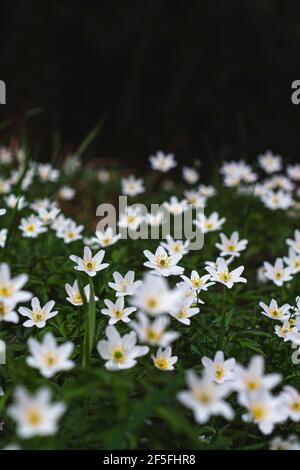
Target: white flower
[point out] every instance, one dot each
(205, 398)
(74, 296)
(162, 162)
(269, 162)
(175, 206)
(116, 311)
(38, 315)
(184, 310)
(219, 370)
(275, 312)
(162, 264)
(5, 186)
(155, 219)
(124, 285)
(70, 232)
(288, 326)
(231, 246)
(197, 282)
(295, 243)
(131, 218)
(90, 264)
(48, 216)
(293, 261)
(164, 359)
(43, 203)
(264, 410)
(3, 235)
(224, 276)
(32, 226)
(291, 443)
(207, 191)
(154, 333)
(35, 415)
(291, 399)
(293, 172)
(209, 224)
(175, 247)
(132, 186)
(190, 175)
(120, 352)
(105, 238)
(277, 273)
(277, 200)
(194, 198)
(252, 378)
(13, 201)
(2, 211)
(47, 173)
(7, 312)
(49, 357)
(66, 193)
(10, 288)
(154, 296)
(103, 176)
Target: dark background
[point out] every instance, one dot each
(199, 78)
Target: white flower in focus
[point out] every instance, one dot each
(231, 246)
(90, 264)
(48, 356)
(218, 369)
(120, 352)
(205, 398)
(35, 415)
(32, 226)
(197, 282)
(38, 315)
(162, 162)
(116, 311)
(184, 311)
(275, 312)
(224, 276)
(124, 285)
(163, 264)
(209, 224)
(74, 296)
(105, 238)
(277, 273)
(164, 359)
(175, 247)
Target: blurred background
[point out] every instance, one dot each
(203, 79)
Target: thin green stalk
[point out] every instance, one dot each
(222, 323)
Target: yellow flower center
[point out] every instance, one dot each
(278, 275)
(162, 363)
(6, 290)
(225, 276)
(118, 355)
(77, 299)
(34, 417)
(162, 261)
(252, 384)
(209, 225)
(152, 335)
(50, 359)
(38, 315)
(176, 247)
(131, 219)
(3, 309)
(197, 282)
(203, 396)
(230, 247)
(259, 412)
(275, 312)
(89, 264)
(71, 234)
(295, 406)
(152, 303)
(30, 228)
(118, 313)
(219, 371)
